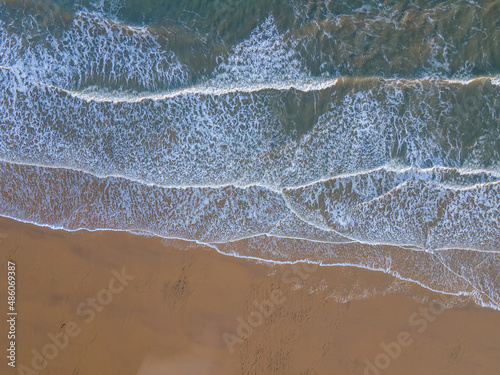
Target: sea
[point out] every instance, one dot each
(342, 133)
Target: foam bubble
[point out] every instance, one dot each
(93, 51)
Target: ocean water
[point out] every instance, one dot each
(343, 133)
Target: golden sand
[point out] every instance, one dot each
(118, 303)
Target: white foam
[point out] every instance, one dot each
(95, 51)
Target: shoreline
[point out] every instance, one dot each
(189, 244)
(193, 310)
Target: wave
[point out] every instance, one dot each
(204, 214)
(216, 88)
(433, 209)
(81, 49)
(417, 38)
(259, 224)
(272, 138)
(423, 209)
(91, 51)
(453, 272)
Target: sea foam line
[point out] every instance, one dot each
(350, 238)
(312, 84)
(214, 88)
(387, 168)
(387, 270)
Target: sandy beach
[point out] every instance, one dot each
(250, 187)
(118, 303)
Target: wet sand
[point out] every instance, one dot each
(118, 303)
